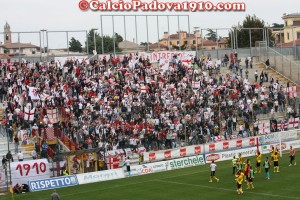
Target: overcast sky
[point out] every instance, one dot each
(34, 15)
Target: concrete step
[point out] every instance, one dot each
(24, 148)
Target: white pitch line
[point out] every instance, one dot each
(226, 189)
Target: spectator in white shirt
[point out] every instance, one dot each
(33, 154)
(20, 156)
(241, 130)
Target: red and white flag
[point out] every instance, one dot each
(264, 128)
(282, 125)
(144, 89)
(219, 138)
(291, 91)
(52, 115)
(49, 133)
(196, 84)
(33, 93)
(45, 96)
(293, 122)
(28, 114)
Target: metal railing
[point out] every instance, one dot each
(282, 64)
(66, 140)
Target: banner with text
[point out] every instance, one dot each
(184, 56)
(173, 153)
(284, 146)
(100, 176)
(148, 168)
(23, 171)
(52, 183)
(63, 60)
(228, 155)
(230, 144)
(185, 162)
(277, 136)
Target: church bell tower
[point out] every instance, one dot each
(7, 34)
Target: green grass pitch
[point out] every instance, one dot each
(185, 184)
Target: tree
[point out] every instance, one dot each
(275, 25)
(75, 45)
(145, 43)
(211, 35)
(182, 47)
(119, 38)
(243, 32)
(108, 42)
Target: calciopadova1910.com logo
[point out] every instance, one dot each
(159, 5)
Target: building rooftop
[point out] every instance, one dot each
(290, 15)
(223, 40)
(156, 45)
(4, 56)
(175, 36)
(18, 45)
(129, 45)
(209, 43)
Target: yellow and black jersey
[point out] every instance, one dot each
(275, 157)
(240, 178)
(272, 152)
(240, 160)
(258, 158)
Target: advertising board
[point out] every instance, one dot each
(52, 183)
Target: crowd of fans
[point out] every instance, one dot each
(130, 102)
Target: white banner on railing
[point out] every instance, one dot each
(185, 162)
(32, 170)
(184, 56)
(275, 137)
(226, 145)
(100, 176)
(173, 153)
(148, 168)
(63, 60)
(284, 146)
(228, 155)
(230, 144)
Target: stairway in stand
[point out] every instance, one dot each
(5, 146)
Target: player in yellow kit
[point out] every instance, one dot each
(272, 152)
(258, 161)
(240, 160)
(276, 161)
(239, 181)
